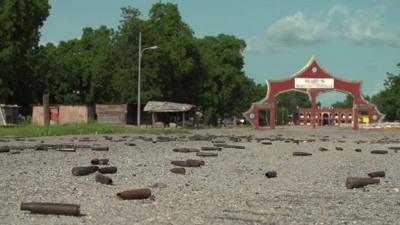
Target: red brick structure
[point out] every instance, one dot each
(312, 80)
(325, 116)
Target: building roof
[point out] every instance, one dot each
(154, 106)
(8, 106)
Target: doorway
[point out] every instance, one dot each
(325, 119)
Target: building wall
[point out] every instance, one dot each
(66, 114)
(74, 114)
(37, 115)
(114, 114)
(336, 116)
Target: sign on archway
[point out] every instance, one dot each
(312, 80)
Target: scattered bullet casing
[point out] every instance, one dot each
(301, 154)
(179, 163)
(4, 149)
(206, 154)
(110, 169)
(178, 170)
(379, 152)
(377, 174)
(100, 148)
(189, 163)
(322, 149)
(185, 150)
(195, 163)
(103, 179)
(135, 194)
(51, 208)
(99, 161)
(359, 182)
(271, 174)
(84, 170)
(41, 148)
(211, 148)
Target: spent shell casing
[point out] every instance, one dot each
(51, 208)
(109, 169)
(359, 182)
(135, 194)
(103, 179)
(84, 170)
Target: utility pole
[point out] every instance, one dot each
(139, 74)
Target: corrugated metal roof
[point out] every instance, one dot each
(154, 106)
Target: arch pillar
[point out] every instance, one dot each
(313, 109)
(272, 123)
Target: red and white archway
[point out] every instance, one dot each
(312, 80)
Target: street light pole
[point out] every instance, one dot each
(139, 73)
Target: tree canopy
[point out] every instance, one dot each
(388, 100)
(102, 65)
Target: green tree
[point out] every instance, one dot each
(126, 48)
(288, 103)
(225, 84)
(388, 100)
(20, 22)
(345, 104)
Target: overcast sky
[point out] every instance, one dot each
(354, 40)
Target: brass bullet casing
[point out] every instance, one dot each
(109, 169)
(103, 179)
(359, 182)
(381, 152)
(98, 148)
(51, 208)
(377, 174)
(271, 174)
(178, 170)
(206, 154)
(301, 154)
(135, 194)
(189, 163)
(99, 161)
(84, 170)
(185, 150)
(4, 149)
(211, 148)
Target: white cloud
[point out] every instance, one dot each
(297, 30)
(292, 30)
(338, 10)
(366, 26)
(362, 26)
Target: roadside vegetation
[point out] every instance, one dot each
(29, 130)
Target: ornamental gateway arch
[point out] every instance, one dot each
(313, 80)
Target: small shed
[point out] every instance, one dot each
(63, 114)
(113, 114)
(8, 115)
(171, 108)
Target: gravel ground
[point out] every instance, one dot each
(228, 189)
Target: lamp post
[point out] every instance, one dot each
(139, 67)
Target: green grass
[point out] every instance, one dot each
(29, 130)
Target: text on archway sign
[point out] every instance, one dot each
(322, 83)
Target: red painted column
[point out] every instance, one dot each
(355, 119)
(313, 106)
(272, 117)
